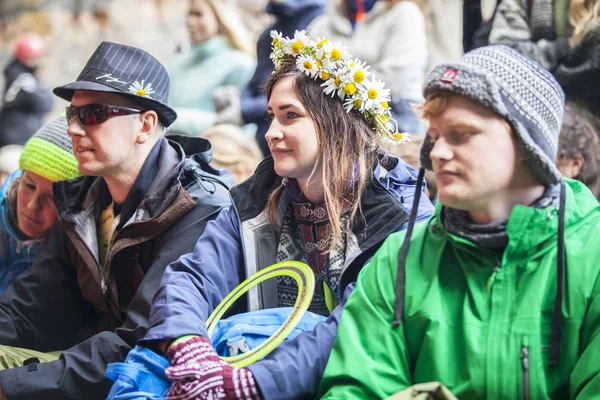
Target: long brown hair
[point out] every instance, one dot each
(348, 148)
(11, 198)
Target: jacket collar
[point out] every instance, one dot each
(382, 212)
(531, 230)
(168, 159)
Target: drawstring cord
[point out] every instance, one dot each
(560, 270)
(560, 281)
(399, 304)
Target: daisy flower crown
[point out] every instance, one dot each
(342, 76)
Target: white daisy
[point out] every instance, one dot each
(354, 103)
(376, 93)
(308, 65)
(359, 70)
(139, 89)
(335, 86)
(276, 37)
(297, 43)
(401, 137)
(334, 52)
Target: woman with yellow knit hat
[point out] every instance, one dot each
(27, 210)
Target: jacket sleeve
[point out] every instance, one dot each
(511, 27)
(293, 370)
(41, 309)
(81, 368)
(195, 284)
(585, 378)
(28, 93)
(577, 74)
(369, 359)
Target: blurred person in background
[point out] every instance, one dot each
(251, 105)
(222, 54)
(9, 160)
(27, 210)
(233, 150)
(25, 100)
(579, 148)
(390, 36)
(537, 29)
(579, 73)
(563, 36)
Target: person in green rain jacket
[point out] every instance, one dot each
(498, 295)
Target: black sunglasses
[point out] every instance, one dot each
(94, 114)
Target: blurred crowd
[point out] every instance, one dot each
(217, 74)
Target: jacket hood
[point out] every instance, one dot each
(291, 8)
(532, 230)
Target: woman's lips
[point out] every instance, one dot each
(31, 220)
(279, 150)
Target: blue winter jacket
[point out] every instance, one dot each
(291, 15)
(242, 241)
(16, 253)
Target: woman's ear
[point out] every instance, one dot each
(149, 119)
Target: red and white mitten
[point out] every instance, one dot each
(198, 372)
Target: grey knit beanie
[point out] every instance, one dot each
(516, 88)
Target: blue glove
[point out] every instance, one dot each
(140, 377)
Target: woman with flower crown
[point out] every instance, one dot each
(328, 196)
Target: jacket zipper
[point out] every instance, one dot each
(492, 278)
(525, 375)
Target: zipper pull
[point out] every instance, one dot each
(492, 278)
(525, 358)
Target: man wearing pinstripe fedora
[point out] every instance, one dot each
(142, 202)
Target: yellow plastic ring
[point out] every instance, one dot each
(305, 279)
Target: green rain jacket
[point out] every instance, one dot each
(478, 321)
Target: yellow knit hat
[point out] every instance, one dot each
(49, 153)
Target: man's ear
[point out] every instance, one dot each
(149, 119)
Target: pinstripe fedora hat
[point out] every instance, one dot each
(129, 72)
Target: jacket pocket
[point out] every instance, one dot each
(525, 368)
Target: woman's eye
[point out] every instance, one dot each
(47, 201)
(30, 186)
(292, 114)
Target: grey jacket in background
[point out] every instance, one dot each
(538, 29)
